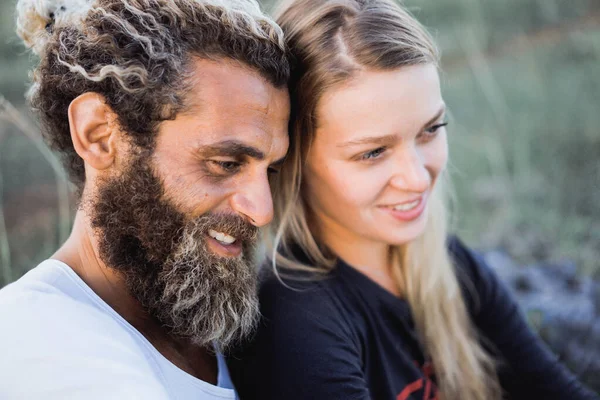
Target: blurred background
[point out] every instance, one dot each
(522, 81)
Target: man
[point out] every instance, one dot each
(170, 115)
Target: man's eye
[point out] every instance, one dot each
(226, 166)
(373, 154)
(273, 171)
(229, 165)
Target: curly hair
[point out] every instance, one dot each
(136, 54)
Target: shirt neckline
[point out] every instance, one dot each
(205, 386)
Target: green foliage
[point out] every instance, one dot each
(525, 143)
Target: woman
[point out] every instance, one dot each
(368, 298)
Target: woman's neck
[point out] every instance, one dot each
(371, 258)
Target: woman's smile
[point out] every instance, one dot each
(408, 210)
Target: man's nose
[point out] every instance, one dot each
(253, 201)
(412, 174)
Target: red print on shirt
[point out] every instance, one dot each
(423, 386)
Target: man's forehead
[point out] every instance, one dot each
(226, 86)
(227, 101)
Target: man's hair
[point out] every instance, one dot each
(137, 55)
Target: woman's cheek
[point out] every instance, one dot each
(362, 188)
(436, 154)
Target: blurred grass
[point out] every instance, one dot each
(526, 141)
(522, 81)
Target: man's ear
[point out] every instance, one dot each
(94, 130)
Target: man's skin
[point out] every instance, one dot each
(231, 115)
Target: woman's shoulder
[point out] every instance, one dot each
(484, 293)
(479, 284)
(300, 292)
(301, 340)
(469, 264)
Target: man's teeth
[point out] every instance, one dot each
(221, 237)
(406, 206)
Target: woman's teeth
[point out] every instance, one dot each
(406, 206)
(221, 237)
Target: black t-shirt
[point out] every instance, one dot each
(346, 338)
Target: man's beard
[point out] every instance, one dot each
(192, 292)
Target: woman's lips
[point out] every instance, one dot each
(407, 211)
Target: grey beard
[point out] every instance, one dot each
(208, 299)
(190, 291)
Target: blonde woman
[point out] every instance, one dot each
(368, 298)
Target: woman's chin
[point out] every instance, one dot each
(406, 234)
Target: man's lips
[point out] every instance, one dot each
(221, 237)
(224, 249)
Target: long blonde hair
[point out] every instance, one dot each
(330, 40)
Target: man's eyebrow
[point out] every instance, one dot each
(389, 139)
(231, 148)
(279, 162)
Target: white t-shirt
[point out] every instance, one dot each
(59, 340)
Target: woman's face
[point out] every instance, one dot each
(379, 148)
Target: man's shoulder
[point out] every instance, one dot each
(50, 307)
(52, 329)
(52, 297)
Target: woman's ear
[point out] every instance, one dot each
(94, 130)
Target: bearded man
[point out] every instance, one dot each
(169, 115)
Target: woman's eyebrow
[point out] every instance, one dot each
(379, 140)
(437, 116)
(389, 139)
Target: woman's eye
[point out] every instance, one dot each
(370, 155)
(433, 130)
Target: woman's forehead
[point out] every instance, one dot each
(382, 102)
